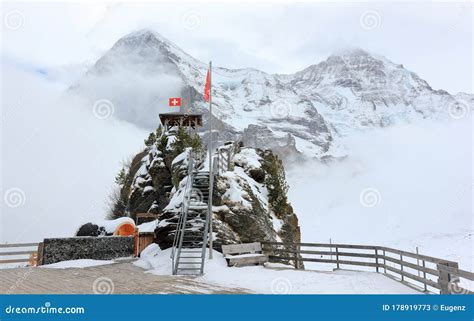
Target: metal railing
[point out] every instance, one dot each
(424, 272)
(178, 237)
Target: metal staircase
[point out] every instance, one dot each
(190, 240)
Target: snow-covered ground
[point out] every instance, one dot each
(402, 187)
(78, 264)
(278, 278)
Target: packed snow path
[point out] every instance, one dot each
(126, 278)
(118, 278)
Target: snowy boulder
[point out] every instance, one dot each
(90, 229)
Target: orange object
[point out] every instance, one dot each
(126, 229)
(129, 229)
(33, 260)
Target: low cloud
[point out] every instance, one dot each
(58, 159)
(138, 83)
(402, 186)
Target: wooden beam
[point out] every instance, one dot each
(370, 264)
(14, 261)
(412, 266)
(18, 245)
(414, 277)
(16, 253)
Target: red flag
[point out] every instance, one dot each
(175, 102)
(207, 88)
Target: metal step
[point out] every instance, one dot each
(190, 233)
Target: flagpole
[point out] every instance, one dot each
(211, 176)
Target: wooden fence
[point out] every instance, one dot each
(223, 161)
(18, 252)
(424, 272)
(144, 239)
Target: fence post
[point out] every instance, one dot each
(337, 257)
(330, 247)
(376, 261)
(40, 253)
(384, 263)
(295, 258)
(417, 260)
(445, 277)
(424, 276)
(401, 266)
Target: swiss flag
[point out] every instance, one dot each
(175, 102)
(207, 88)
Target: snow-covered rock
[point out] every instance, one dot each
(243, 210)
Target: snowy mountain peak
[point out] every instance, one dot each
(303, 112)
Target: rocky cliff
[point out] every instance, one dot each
(250, 200)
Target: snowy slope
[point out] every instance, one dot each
(305, 111)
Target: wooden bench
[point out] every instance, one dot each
(244, 254)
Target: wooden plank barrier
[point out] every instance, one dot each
(145, 239)
(413, 269)
(22, 253)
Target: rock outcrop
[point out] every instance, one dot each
(250, 200)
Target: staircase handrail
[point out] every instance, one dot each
(224, 157)
(178, 237)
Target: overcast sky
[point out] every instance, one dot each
(432, 39)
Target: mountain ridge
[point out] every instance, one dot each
(303, 112)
